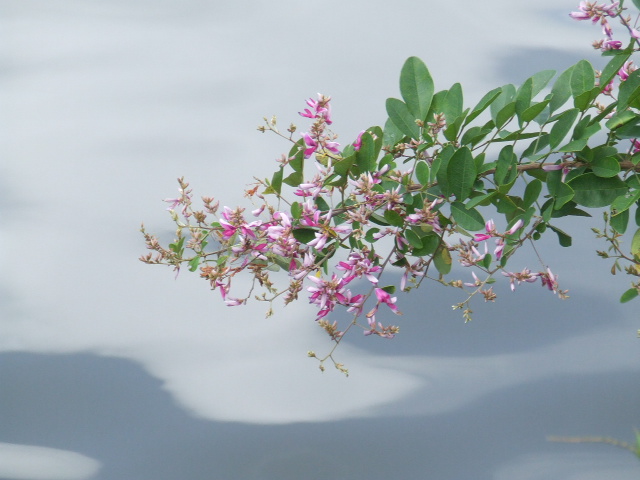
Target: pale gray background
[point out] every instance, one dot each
(112, 370)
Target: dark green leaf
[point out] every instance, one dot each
(452, 103)
(562, 127)
(605, 167)
(523, 99)
(416, 87)
(482, 105)
(563, 238)
(393, 218)
(461, 173)
(276, 183)
(294, 179)
(402, 118)
(392, 134)
(564, 194)
(507, 95)
(366, 156)
(534, 110)
(531, 193)
(304, 235)
(507, 166)
(624, 202)
(620, 221)
(629, 90)
(540, 80)
(582, 78)
(504, 115)
(594, 192)
(413, 239)
(422, 172)
(468, 219)
(561, 91)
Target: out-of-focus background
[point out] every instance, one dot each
(111, 369)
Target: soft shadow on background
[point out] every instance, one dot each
(111, 369)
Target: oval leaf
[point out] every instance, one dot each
(416, 87)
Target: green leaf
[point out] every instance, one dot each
(583, 78)
(468, 219)
(276, 183)
(416, 87)
(563, 238)
(594, 192)
(294, 179)
(564, 194)
(620, 221)
(629, 90)
(342, 167)
(504, 115)
(392, 134)
(605, 167)
(401, 117)
(193, 264)
(461, 173)
(370, 233)
(534, 110)
(540, 80)
(304, 235)
(507, 166)
(637, 4)
(452, 103)
(366, 156)
(413, 239)
(442, 260)
(507, 94)
(615, 64)
(482, 105)
(561, 91)
(393, 218)
(296, 210)
(439, 169)
(621, 118)
(629, 295)
(430, 243)
(523, 99)
(562, 127)
(635, 244)
(531, 193)
(422, 172)
(624, 202)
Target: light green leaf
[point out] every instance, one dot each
(540, 80)
(635, 244)
(629, 295)
(416, 87)
(392, 134)
(442, 260)
(620, 222)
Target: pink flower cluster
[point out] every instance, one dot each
(491, 232)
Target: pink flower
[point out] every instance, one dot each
(524, 276)
(358, 143)
(311, 144)
(385, 297)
